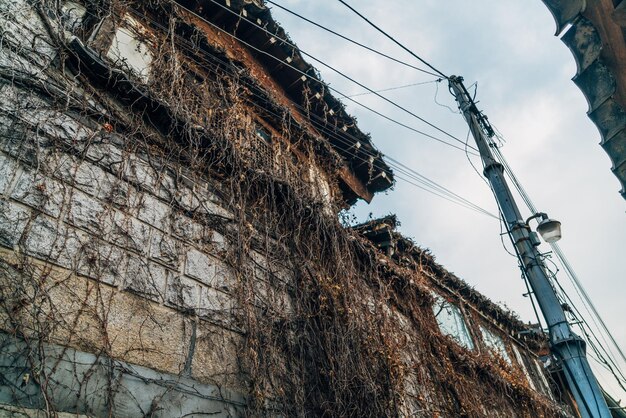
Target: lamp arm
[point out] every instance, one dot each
(537, 215)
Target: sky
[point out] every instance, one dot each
(523, 73)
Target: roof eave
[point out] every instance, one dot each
(302, 84)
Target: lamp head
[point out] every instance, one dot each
(549, 229)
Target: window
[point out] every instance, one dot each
(451, 322)
(127, 49)
(522, 364)
(263, 134)
(494, 343)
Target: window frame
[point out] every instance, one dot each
(494, 343)
(463, 335)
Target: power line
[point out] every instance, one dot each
(584, 295)
(576, 284)
(382, 54)
(443, 105)
(587, 331)
(569, 271)
(332, 69)
(399, 165)
(412, 173)
(578, 287)
(396, 88)
(393, 39)
(429, 185)
(591, 339)
(517, 185)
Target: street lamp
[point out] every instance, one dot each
(567, 347)
(549, 229)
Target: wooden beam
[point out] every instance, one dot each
(355, 184)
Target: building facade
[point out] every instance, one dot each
(171, 180)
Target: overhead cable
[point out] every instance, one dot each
(588, 333)
(608, 357)
(382, 54)
(396, 88)
(569, 271)
(413, 175)
(393, 39)
(588, 304)
(404, 109)
(574, 277)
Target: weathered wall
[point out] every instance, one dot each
(95, 262)
(136, 259)
(98, 257)
(90, 384)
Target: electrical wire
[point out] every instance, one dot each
(578, 287)
(330, 67)
(594, 315)
(606, 357)
(516, 183)
(396, 88)
(570, 273)
(591, 338)
(576, 314)
(393, 39)
(382, 54)
(604, 354)
(443, 105)
(428, 184)
(399, 165)
(584, 296)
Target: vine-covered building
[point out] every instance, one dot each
(171, 179)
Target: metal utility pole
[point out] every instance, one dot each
(567, 347)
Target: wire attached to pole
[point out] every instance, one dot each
(393, 39)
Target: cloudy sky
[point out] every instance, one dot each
(524, 86)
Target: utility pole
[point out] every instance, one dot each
(567, 347)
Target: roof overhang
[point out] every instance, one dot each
(251, 22)
(597, 38)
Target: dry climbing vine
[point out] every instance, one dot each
(321, 322)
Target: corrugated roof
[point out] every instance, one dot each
(597, 38)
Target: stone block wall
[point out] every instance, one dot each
(132, 285)
(109, 252)
(108, 222)
(91, 215)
